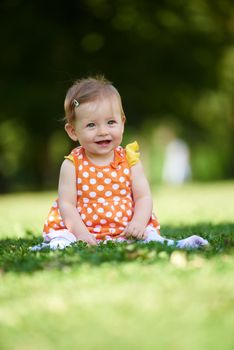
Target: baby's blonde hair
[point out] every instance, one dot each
(88, 90)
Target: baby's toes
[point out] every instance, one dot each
(199, 241)
(192, 242)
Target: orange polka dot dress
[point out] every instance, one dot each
(104, 197)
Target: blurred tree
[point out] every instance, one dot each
(167, 58)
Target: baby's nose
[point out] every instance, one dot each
(102, 130)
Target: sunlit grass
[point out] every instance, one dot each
(196, 203)
(120, 296)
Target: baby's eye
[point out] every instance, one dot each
(90, 125)
(111, 122)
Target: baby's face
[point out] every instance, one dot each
(99, 126)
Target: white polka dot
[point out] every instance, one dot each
(92, 181)
(85, 200)
(85, 162)
(85, 188)
(108, 214)
(89, 223)
(122, 206)
(124, 201)
(113, 174)
(116, 203)
(112, 207)
(122, 179)
(79, 180)
(79, 193)
(92, 194)
(100, 210)
(105, 204)
(119, 214)
(127, 183)
(106, 169)
(85, 205)
(129, 212)
(94, 205)
(115, 187)
(83, 216)
(89, 210)
(125, 223)
(108, 193)
(125, 218)
(101, 200)
(80, 167)
(116, 219)
(92, 169)
(95, 217)
(99, 174)
(116, 198)
(126, 171)
(80, 156)
(123, 192)
(103, 221)
(112, 230)
(51, 218)
(100, 187)
(62, 224)
(85, 174)
(112, 224)
(107, 181)
(55, 205)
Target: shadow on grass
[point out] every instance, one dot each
(16, 256)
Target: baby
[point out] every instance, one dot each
(103, 192)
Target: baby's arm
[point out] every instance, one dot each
(67, 203)
(143, 203)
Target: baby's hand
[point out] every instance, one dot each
(135, 230)
(87, 237)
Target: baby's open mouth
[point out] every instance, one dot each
(103, 142)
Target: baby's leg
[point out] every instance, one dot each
(59, 243)
(57, 239)
(154, 236)
(192, 242)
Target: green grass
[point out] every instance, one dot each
(120, 296)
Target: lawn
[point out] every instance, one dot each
(120, 296)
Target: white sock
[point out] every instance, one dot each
(192, 242)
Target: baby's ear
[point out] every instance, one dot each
(71, 131)
(123, 121)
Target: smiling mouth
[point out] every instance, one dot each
(103, 142)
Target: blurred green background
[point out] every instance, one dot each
(172, 61)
